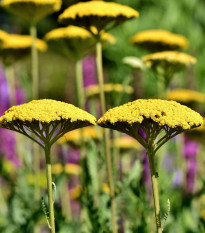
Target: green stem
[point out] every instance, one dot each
(49, 187)
(11, 82)
(154, 177)
(35, 95)
(34, 63)
(79, 84)
(106, 135)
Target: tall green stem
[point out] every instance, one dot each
(49, 187)
(35, 95)
(154, 177)
(34, 63)
(106, 134)
(79, 84)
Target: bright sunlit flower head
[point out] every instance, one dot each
(151, 116)
(93, 90)
(98, 14)
(79, 137)
(159, 40)
(32, 10)
(15, 47)
(47, 119)
(169, 61)
(186, 96)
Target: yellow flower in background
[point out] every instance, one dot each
(169, 60)
(32, 10)
(80, 136)
(159, 40)
(186, 96)
(68, 168)
(98, 14)
(75, 192)
(47, 119)
(15, 47)
(152, 113)
(126, 143)
(93, 90)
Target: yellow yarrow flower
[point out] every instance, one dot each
(15, 47)
(98, 14)
(76, 137)
(186, 96)
(159, 40)
(32, 10)
(68, 168)
(169, 60)
(47, 119)
(93, 90)
(126, 143)
(151, 116)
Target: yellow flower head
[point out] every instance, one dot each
(15, 47)
(98, 14)
(126, 143)
(76, 137)
(93, 90)
(186, 96)
(47, 119)
(198, 133)
(32, 10)
(151, 116)
(159, 40)
(168, 62)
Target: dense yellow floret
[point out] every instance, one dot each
(108, 88)
(45, 111)
(163, 37)
(32, 10)
(170, 57)
(79, 135)
(100, 13)
(163, 112)
(15, 42)
(99, 8)
(186, 96)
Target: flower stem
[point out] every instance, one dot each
(49, 187)
(79, 84)
(106, 135)
(154, 177)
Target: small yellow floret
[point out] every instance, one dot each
(159, 37)
(162, 112)
(46, 111)
(15, 42)
(186, 96)
(172, 57)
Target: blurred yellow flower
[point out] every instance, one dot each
(75, 192)
(168, 60)
(80, 136)
(68, 168)
(93, 90)
(126, 143)
(98, 14)
(32, 10)
(3, 36)
(159, 40)
(186, 96)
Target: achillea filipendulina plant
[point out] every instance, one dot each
(186, 96)
(159, 40)
(100, 15)
(48, 120)
(15, 47)
(165, 64)
(151, 116)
